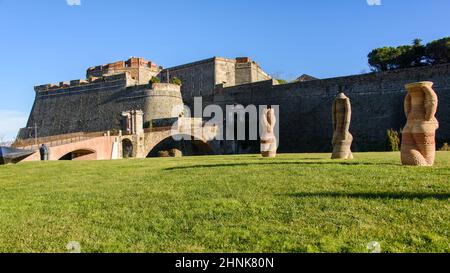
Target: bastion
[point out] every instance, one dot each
(96, 103)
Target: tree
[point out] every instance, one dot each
(438, 51)
(404, 56)
(418, 53)
(410, 56)
(382, 59)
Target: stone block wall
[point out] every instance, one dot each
(140, 70)
(163, 101)
(95, 106)
(200, 78)
(248, 71)
(377, 105)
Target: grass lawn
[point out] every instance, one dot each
(293, 203)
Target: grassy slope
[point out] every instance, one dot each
(294, 203)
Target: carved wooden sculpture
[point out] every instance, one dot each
(342, 139)
(268, 139)
(418, 136)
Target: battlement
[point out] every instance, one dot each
(200, 76)
(48, 89)
(130, 63)
(121, 66)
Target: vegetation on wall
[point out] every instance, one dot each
(155, 80)
(281, 81)
(416, 54)
(175, 80)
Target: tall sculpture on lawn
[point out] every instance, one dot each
(342, 139)
(268, 138)
(418, 136)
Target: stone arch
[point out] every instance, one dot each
(80, 154)
(127, 148)
(189, 145)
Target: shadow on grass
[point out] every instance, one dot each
(336, 163)
(373, 195)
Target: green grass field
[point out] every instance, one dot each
(293, 203)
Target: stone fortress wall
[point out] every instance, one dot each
(200, 78)
(376, 98)
(96, 104)
(140, 70)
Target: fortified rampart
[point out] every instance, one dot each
(376, 98)
(93, 106)
(96, 104)
(200, 78)
(140, 70)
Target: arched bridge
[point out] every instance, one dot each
(105, 146)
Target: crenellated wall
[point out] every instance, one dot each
(140, 69)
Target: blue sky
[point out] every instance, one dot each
(44, 41)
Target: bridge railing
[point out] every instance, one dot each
(52, 141)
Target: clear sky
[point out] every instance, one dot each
(46, 41)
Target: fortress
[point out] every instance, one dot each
(111, 97)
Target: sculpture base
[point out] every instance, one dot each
(342, 151)
(268, 147)
(418, 149)
(269, 154)
(411, 157)
(342, 155)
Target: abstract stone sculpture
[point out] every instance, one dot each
(418, 136)
(342, 139)
(268, 139)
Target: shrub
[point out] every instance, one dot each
(175, 153)
(175, 80)
(281, 81)
(155, 80)
(445, 147)
(392, 140)
(163, 153)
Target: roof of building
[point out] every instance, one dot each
(305, 78)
